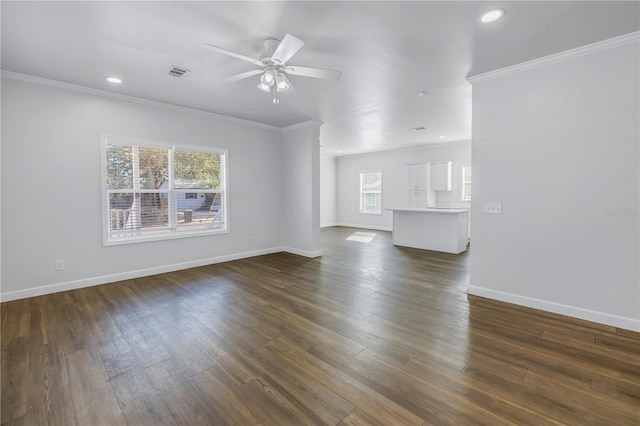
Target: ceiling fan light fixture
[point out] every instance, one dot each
(268, 78)
(282, 83)
(264, 87)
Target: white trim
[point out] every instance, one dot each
(308, 123)
(360, 226)
(558, 308)
(104, 93)
(426, 145)
(589, 49)
(105, 279)
(329, 225)
(305, 253)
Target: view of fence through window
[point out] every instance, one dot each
(155, 192)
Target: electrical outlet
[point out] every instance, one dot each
(59, 265)
(493, 208)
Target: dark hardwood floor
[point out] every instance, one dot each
(367, 334)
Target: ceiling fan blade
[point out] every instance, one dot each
(235, 55)
(244, 75)
(287, 48)
(313, 72)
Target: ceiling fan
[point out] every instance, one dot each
(273, 65)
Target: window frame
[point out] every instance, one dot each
(463, 196)
(172, 232)
(361, 193)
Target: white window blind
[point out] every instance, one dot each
(158, 191)
(371, 192)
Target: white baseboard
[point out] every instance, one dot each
(328, 225)
(558, 308)
(305, 253)
(375, 228)
(104, 279)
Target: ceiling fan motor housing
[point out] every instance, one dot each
(271, 44)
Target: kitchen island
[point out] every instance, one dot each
(437, 229)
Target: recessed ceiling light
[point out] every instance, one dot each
(492, 15)
(422, 93)
(339, 151)
(114, 80)
(441, 137)
(368, 147)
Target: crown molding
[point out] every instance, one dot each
(578, 52)
(431, 145)
(127, 98)
(308, 123)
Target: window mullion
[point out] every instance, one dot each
(136, 208)
(173, 214)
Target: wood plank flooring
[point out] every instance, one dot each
(367, 334)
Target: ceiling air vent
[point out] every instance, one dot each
(178, 72)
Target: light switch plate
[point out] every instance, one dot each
(493, 208)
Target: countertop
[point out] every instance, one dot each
(429, 210)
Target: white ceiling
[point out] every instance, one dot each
(387, 52)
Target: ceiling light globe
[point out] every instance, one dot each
(492, 15)
(267, 79)
(282, 84)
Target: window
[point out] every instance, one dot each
(155, 191)
(371, 192)
(466, 183)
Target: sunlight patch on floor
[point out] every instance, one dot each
(362, 237)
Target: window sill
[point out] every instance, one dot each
(163, 237)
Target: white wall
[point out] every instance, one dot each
(395, 181)
(51, 188)
(328, 191)
(301, 186)
(558, 146)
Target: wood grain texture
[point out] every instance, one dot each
(369, 334)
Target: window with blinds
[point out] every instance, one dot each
(371, 192)
(466, 183)
(157, 191)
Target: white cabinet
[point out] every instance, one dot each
(441, 176)
(418, 185)
(417, 177)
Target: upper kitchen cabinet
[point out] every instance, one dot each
(441, 176)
